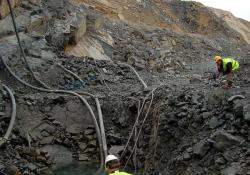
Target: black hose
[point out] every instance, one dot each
(21, 48)
(13, 116)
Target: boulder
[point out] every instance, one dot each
(22, 22)
(201, 148)
(77, 28)
(215, 122)
(82, 146)
(38, 23)
(83, 157)
(232, 170)
(4, 8)
(68, 31)
(223, 140)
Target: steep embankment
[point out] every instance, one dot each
(190, 18)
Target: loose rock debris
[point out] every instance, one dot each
(193, 126)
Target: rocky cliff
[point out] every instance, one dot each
(176, 120)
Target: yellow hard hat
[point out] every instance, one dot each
(217, 59)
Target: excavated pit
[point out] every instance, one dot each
(186, 123)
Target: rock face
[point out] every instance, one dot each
(4, 8)
(68, 31)
(186, 125)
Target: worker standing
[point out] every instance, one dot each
(112, 165)
(227, 66)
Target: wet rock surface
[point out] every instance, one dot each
(190, 127)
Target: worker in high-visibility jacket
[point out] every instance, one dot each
(112, 165)
(227, 66)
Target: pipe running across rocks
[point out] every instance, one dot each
(13, 116)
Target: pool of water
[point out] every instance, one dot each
(77, 168)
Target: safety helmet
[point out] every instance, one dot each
(217, 59)
(110, 157)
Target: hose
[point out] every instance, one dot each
(137, 138)
(65, 69)
(21, 48)
(136, 73)
(234, 97)
(104, 142)
(13, 116)
(136, 121)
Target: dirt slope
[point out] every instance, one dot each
(176, 15)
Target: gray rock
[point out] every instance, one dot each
(32, 167)
(8, 45)
(56, 4)
(77, 27)
(220, 161)
(89, 137)
(201, 148)
(59, 154)
(38, 23)
(46, 140)
(45, 134)
(1, 166)
(232, 170)
(116, 149)
(238, 110)
(83, 157)
(215, 122)
(195, 79)
(7, 25)
(72, 106)
(206, 115)
(89, 131)
(246, 112)
(58, 114)
(93, 143)
(35, 62)
(35, 135)
(50, 129)
(223, 140)
(74, 128)
(47, 55)
(12, 169)
(82, 146)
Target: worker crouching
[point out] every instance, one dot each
(112, 165)
(227, 66)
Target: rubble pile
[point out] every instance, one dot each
(188, 123)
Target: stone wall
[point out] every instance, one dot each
(4, 8)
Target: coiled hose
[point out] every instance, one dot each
(13, 116)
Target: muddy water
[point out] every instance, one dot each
(77, 169)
